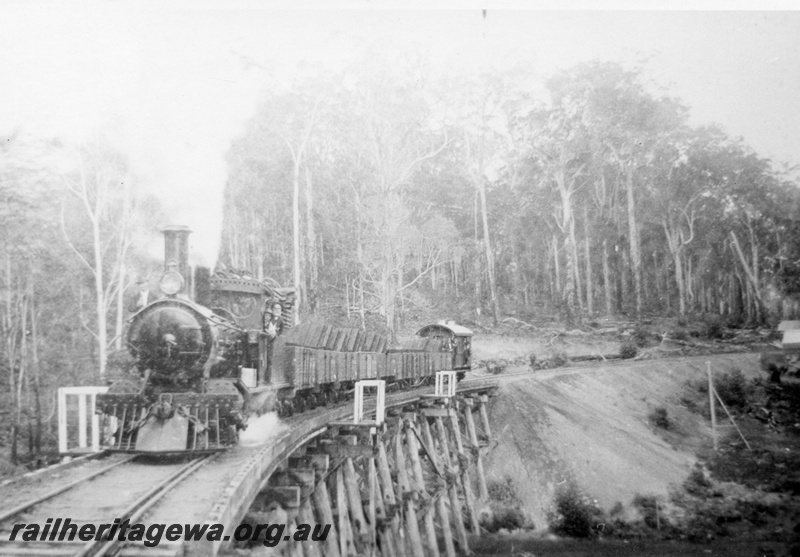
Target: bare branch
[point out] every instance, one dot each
(72, 246)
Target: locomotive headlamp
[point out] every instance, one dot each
(170, 283)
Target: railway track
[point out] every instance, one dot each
(91, 500)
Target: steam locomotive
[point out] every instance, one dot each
(206, 361)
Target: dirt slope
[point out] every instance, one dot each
(592, 426)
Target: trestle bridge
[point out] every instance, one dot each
(398, 475)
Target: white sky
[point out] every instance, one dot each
(172, 82)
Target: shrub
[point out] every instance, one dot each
(628, 350)
(679, 334)
(649, 508)
(713, 330)
(575, 514)
(736, 322)
(502, 491)
(659, 417)
(641, 336)
(494, 367)
(697, 483)
(510, 518)
(732, 388)
(560, 359)
(505, 505)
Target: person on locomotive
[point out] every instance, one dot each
(142, 297)
(273, 325)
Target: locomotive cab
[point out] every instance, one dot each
(245, 301)
(455, 339)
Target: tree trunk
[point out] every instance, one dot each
(566, 223)
(488, 250)
(37, 384)
(588, 254)
(120, 306)
(624, 292)
(750, 273)
(311, 246)
(477, 260)
(568, 301)
(296, 278)
(122, 254)
(607, 280)
(19, 369)
(676, 249)
(100, 299)
(576, 268)
(557, 268)
(297, 159)
(736, 303)
(10, 334)
(633, 233)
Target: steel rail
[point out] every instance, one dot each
(50, 494)
(137, 509)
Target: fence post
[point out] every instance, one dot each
(62, 421)
(711, 402)
(380, 400)
(87, 400)
(445, 384)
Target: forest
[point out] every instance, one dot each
(590, 196)
(387, 198)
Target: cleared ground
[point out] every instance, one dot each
(592, 426)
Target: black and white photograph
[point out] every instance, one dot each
(371, 278)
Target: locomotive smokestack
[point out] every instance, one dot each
(176, 256)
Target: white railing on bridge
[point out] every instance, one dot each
(86, 404)
(380, 400)
(445, 384)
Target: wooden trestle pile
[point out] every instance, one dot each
(404, 488)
